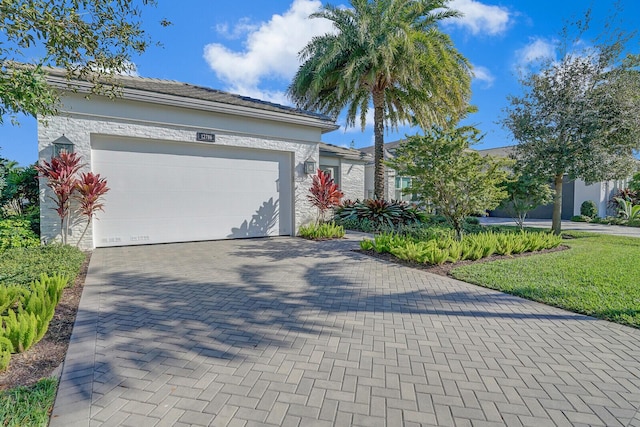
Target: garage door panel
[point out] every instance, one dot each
(170, 192)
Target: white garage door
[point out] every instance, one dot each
(165, 192)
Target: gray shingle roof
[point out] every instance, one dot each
(347, 153)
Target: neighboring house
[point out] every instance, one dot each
(347, 167)
(188, 163)
(574, 193)
(394, 184)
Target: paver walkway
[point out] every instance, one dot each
(289, 332)
(614, 230)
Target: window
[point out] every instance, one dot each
(402, 182)
(332, 171)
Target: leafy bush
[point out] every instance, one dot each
(634, 184)
(22, 266)
(378, 213)
(324, 193)
(26, 318)
(581, 218)
(589, 209)
(627, 194)
(471, 247)
(628, 210)
(326, 230)
(17, 233)
(6, 348)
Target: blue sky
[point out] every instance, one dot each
(250, 47)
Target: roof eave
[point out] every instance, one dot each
(204, 105)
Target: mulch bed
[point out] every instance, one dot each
(44, 357)
(445, 269)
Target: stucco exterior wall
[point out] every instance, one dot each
(149, 122)
(352, 179)
(390, 182)
(599, 192)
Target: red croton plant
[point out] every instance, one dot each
(325, 193)
(61, 175)
(90, 187)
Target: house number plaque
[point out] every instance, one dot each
(205, 137)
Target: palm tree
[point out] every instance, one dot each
(389, 54)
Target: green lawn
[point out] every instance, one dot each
(599, 275)
(28, 406)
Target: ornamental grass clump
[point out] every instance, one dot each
(325, 230)
(471, 247)
(26, 312)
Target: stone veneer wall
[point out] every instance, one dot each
(78, 129)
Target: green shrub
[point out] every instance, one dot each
(17, 233)
(472, 247)
(379, 213)
(589, 209)
(6, 348)
(582, 218)
(325, 230)
(26, 318)
(22, 266)
(472, 220)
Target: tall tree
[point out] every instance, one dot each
(93, 40)
(389, 55)
(444, 172)
(579, 115)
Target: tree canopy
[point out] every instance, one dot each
(92, 40)
(579, 114)
(389, 55)
(458, 181)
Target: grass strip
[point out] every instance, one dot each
(597, 276)
(28, 406)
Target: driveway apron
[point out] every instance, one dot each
(284, 331)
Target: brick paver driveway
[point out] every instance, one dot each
(289, 332)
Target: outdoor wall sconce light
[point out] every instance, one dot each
(62, 144)
(309, 167)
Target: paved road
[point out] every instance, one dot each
(296, 333)
(615, 230)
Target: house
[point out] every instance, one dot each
(394, 184)
(347, 167)
(574, 192)
(188, 163)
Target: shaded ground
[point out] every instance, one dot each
(44, 357)
(291, 332)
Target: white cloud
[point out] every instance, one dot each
(481, 18)
(244, 26)
(483, 74)
(534, 54)
(270, 50)
(538, 49)
(357, 127)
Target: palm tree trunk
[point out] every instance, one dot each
(378, 131)
(556, 225)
